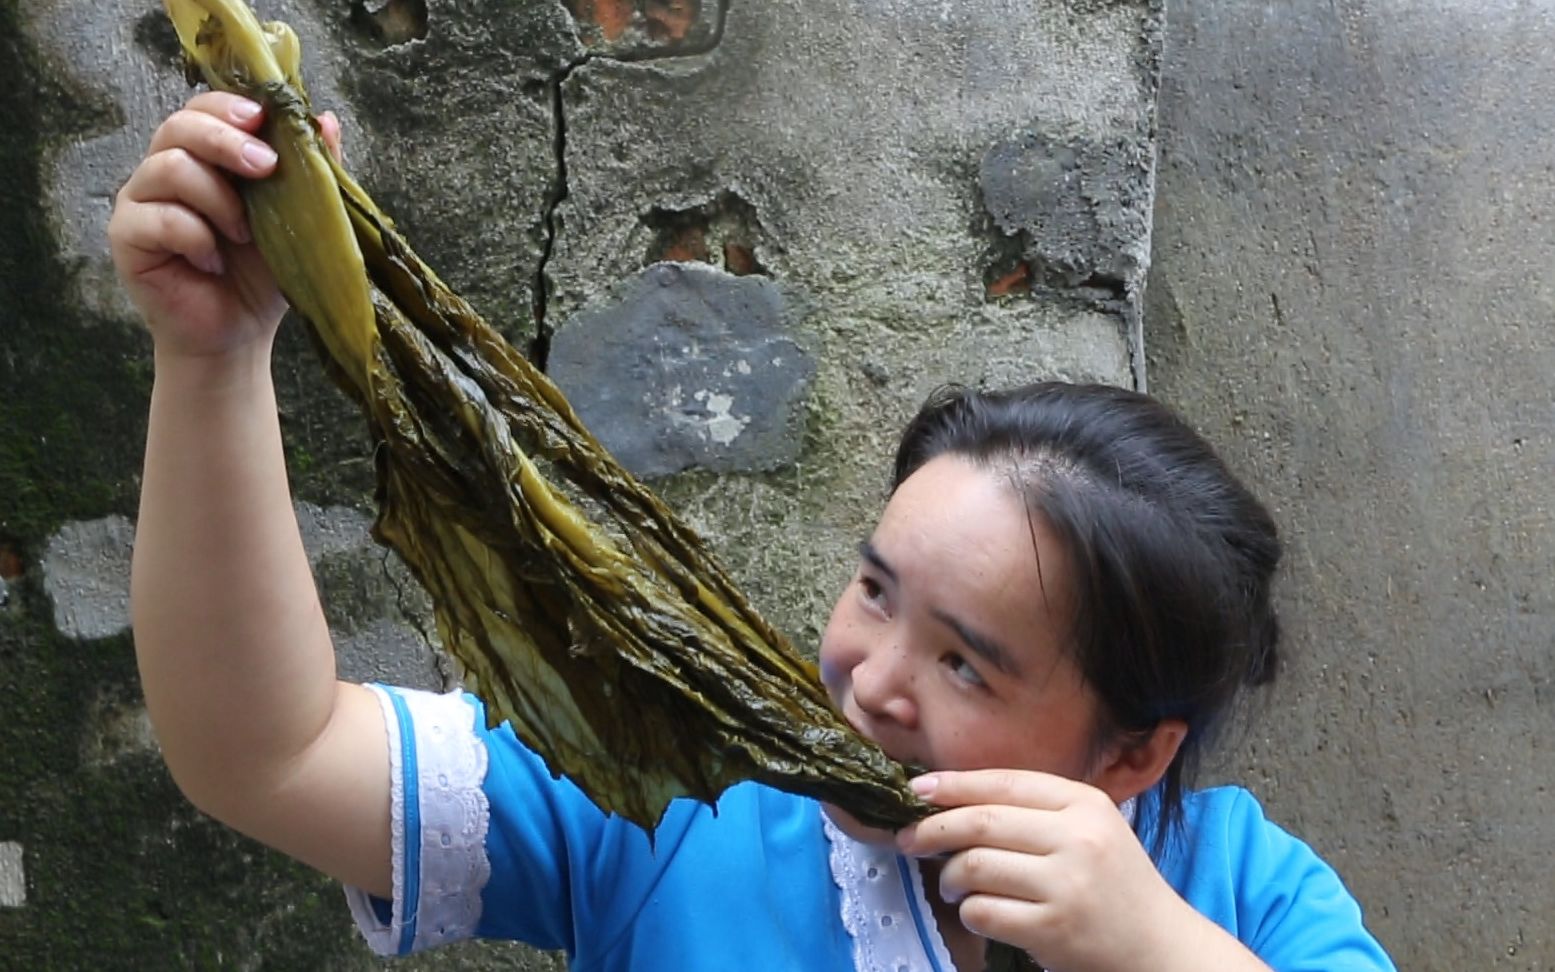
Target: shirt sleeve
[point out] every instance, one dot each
(438, 816)
(486, 843)
(1289, 906)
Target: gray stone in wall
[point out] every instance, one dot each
(86, 573)
(1079, 209)
(374, 607)
(331, 530)
(13, 878)
(689, 368)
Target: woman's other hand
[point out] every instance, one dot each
(1052, 866)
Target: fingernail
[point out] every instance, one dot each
(210, 262)
(243, 109)
(241, 234)
(258, 155)
(924, 785)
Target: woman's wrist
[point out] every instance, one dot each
(236, 371)
(1182, 940)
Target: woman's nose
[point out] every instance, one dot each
(883, 686)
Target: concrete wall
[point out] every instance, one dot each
(882, 195)
(1352, 291)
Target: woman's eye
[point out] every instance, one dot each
(870, 588)
(963, 669)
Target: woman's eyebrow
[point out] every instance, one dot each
(983, 646)
(871, 556)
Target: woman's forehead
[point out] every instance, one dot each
(964, 531)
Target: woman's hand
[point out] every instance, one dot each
(179, 234)
(1051, 866)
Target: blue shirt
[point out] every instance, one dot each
(488, 844)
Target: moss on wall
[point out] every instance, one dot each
(71, 406)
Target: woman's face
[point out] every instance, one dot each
(946, 648)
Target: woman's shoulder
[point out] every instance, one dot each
(1225, 829)
(1232, 807)
(1266, 885)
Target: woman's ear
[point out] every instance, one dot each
(1129, 768)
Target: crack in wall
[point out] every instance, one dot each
(540, 347)
(402, 597)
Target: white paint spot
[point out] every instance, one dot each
(742, 366)
(13, 880)
(723, 426)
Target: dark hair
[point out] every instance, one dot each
(1172, 557)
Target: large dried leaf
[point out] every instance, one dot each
(584, 612)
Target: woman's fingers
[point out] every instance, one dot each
(245, 113)
(985, 825)
(217, 135)
(1020, 922)
(151, 233)
(174, 175)
(992, 870)
(174, 230)
(182, 188)
(329, 127)
(1016, 788)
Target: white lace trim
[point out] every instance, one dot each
(453, 816)
(876, 911)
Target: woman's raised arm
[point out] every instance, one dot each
(235, 657)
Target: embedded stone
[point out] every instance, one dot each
(1078, 209)
(331, 531)
(13, 879)
(690, 368)
(373, 604)
(86, 573)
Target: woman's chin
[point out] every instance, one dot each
(849, 824)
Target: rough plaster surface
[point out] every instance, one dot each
(855, 132)
(1351, 292)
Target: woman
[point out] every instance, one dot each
(1062, 598)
